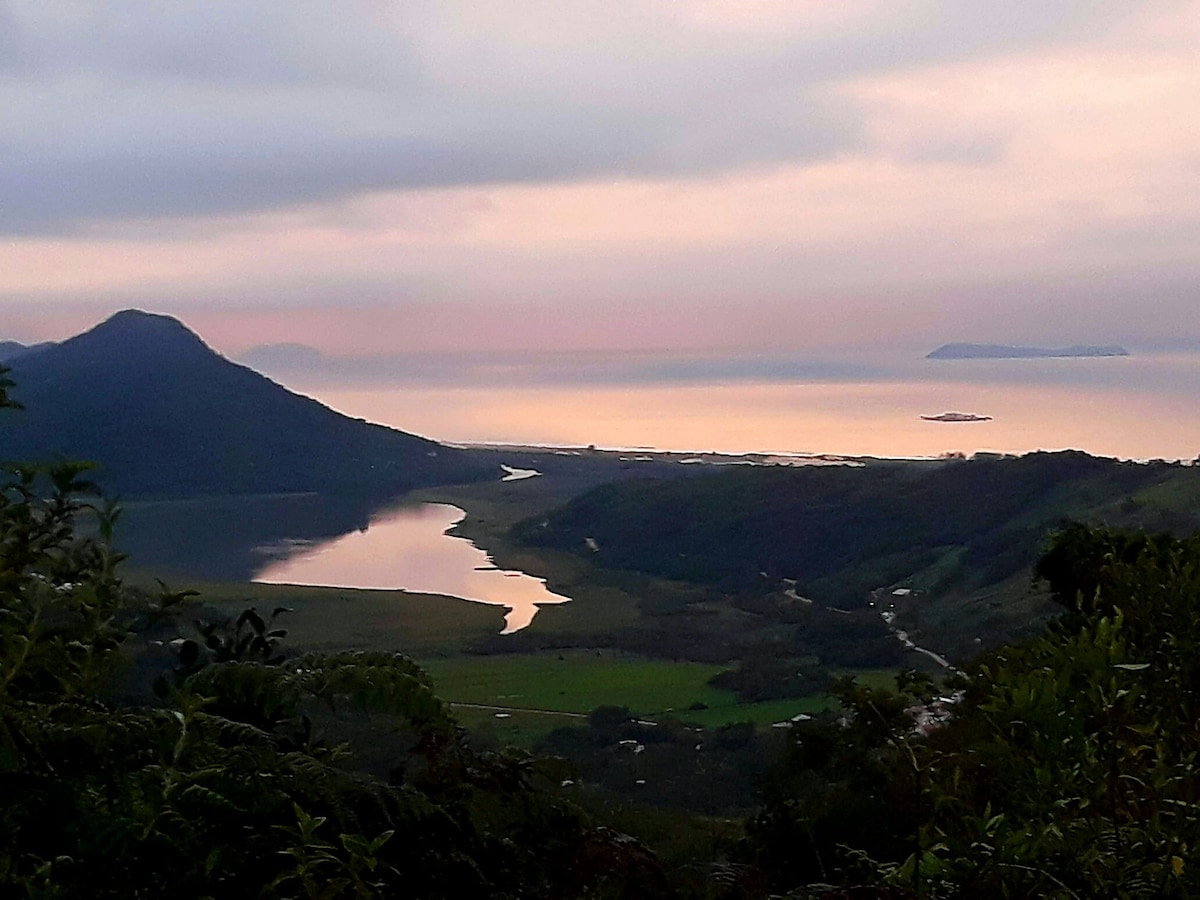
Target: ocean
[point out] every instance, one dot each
(1137, 407)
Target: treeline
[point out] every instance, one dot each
(842, 532)
(1063, 767)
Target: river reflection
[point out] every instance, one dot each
(408, 548)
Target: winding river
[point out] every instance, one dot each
(408, 548)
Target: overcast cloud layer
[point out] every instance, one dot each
(716, 175)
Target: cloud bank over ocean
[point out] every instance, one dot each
(689, 176)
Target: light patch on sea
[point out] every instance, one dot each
(1126, 407)
(408, 548)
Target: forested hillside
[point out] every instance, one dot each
(1061, 767)
(162, 415)
(956, 527)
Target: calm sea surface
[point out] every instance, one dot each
(1130, 407)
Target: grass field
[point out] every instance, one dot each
(576, 681)
(498, 694)
(331, 619)
(513, 698)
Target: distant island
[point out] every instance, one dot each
(1004, 351)
(957, 417)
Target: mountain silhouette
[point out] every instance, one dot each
(163, 415)
(13, 349)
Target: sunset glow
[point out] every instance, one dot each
(720, 177)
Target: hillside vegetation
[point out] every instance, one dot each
(162, 415)
(959, 529)
(1061, 767)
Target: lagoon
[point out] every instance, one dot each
(409, 547)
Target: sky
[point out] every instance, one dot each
(650, 178)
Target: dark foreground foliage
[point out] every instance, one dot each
(1063, 767)
(227, 787)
